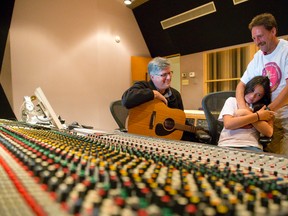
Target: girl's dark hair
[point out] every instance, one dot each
(265, 83)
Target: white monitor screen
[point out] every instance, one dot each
(47, 108)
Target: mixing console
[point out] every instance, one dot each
(49, 172)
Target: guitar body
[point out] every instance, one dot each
(155, 119)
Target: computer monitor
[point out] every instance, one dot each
(46, 109)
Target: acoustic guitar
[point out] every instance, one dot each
(155, 119)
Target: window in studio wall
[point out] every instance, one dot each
(224, 68)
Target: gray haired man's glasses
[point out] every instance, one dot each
(164, 75)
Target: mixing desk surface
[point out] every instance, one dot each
(50, 172)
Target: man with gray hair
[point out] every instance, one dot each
(159, 87)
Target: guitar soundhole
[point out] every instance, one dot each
(169, 124)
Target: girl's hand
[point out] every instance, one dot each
(265, 115)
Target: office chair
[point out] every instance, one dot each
(120, 114)
(212, 105)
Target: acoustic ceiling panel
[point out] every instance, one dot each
(238, 1)
(228, 26)
(189, 15)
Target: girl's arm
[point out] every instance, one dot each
(264, 127)
(236, 122)
(244, 118)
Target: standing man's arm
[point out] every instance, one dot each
(281, 100)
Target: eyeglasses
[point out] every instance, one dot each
(164, 75)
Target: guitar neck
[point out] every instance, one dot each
(188, 128)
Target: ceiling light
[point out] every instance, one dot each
(127, 2)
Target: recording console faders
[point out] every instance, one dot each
(51, 172)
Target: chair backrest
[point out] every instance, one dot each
(212, 104)
(119, 113)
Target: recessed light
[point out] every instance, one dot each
(127, 2)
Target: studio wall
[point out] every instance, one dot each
(6, 9)
(68, 49)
